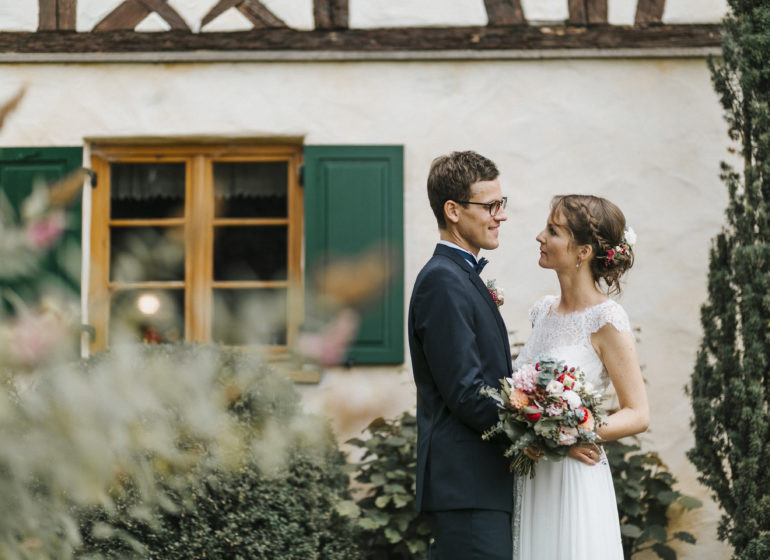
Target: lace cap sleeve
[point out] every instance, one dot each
(610, 312)
(540, 308)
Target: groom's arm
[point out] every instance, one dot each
(443, 322)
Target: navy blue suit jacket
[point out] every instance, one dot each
(458, 344)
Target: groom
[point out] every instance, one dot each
(459, 344)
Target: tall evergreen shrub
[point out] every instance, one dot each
(730, 385)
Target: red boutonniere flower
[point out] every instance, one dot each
(497, 293)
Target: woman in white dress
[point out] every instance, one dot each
(568, 510)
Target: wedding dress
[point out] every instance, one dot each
(568, 510)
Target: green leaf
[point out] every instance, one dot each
(392, 535)
(377, 479)
(657, 533)
(684, 536)
(368, 524)
(382, 501)
(689, 502)
(631, 531)
(667, 497)
(663, 551)
(416, 547)
(401, 500)
(348, 508)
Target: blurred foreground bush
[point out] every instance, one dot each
(278, 502)
(166, 452)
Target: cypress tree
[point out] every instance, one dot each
(730, 385)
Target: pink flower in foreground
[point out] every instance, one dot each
(44, 232)
(35, 337)
(330, 346)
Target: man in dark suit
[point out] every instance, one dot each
(459, 344)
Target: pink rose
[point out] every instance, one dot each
(567, 435)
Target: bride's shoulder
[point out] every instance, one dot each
(608, 312)
(541, 307)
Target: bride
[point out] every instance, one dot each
(568, 509)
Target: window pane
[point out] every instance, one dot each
(250, 252)
(251, 189)
(141, 254)
(247, 317)
(147, 315)
(147, 190)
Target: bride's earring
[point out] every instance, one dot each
(577, 265)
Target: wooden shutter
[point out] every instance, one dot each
(20, 168)
(354, 202)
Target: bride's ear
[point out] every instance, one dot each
(586, 252)
(451, 211)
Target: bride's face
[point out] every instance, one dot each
(557, 249)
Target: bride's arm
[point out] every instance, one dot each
(617, 351)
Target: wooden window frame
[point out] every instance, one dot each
(199, 223)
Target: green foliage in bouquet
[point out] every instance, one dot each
(279, 501)
(644, 489)
(730, 385)
(390, 527)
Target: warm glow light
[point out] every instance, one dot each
(148, 304)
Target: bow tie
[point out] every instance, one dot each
(477, 266)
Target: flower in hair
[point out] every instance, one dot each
(610, 256)
(629, 237)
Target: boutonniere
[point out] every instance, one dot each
(497, 293)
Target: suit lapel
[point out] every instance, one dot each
(482, 289)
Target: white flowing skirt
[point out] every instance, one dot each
(568, 511)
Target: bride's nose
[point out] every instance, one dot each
(539, 237)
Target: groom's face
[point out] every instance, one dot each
(476, 226)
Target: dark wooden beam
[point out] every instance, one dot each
(47, 16)
(371, 40)
(168, 13)
(505, 12)
(125, 16)
(221, 7)
(259, 15)
(650, 11)
(67, 11)
(130, 13)
(587, 12)
(330, 14)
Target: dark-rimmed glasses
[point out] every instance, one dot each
(494, 207)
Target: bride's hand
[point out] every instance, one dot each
(587, 453)
(533, 453)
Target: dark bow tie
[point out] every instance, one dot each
(477, 266)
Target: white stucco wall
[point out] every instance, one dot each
(648, 134)
(22, 15)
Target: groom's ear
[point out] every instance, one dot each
(452, 211)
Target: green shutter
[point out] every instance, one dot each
(354, 200)
(20, 169)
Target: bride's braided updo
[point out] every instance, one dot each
(599, 223)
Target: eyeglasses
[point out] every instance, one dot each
(494, 207)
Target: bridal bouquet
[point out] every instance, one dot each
(546, 406)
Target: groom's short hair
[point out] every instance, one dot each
(451, 177)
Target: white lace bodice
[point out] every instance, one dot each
(568, 337)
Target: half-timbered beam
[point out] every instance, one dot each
(254, 11)
(587, 12)
(330, 14)
(57, 15)
(130, 13)
(394, 40)
(650, 11)
(505, 12)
